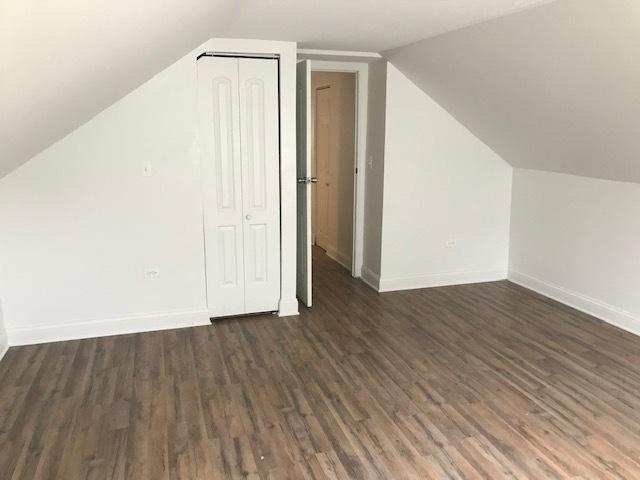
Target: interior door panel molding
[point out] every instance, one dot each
(239, 121)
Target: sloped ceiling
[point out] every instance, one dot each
(64, 61)
(555, 88)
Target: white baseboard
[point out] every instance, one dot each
(370, 278)
(339, 257)
(288, 307)
(391, 284)
(602, 310)
(102, 328)
(4, 345)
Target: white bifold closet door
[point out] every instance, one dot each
(239, 123)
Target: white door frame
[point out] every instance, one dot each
(362, 92)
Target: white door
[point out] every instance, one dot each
(238, 115)
(260, 147)
(303, 283)
(222, 184)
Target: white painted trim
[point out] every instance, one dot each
(391, 284)
(362, 91)
(599, 309)
(113, 326)
(288, 308)
(370, 278)
(340, 55)
(4, 345)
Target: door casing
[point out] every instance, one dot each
(360, 164)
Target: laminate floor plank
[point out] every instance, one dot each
(474, 381)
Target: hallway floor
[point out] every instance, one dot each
(476, 381)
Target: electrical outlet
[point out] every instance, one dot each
(451, 243)
(151, 273)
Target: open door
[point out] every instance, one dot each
(303, 284)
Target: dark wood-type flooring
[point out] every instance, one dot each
(478, 381)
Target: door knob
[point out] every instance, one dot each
(308, 180)
(248, 217)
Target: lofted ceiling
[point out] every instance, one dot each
(553, 88)
(63, 62)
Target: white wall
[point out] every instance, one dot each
(577, 239)
(80, 224)
(374, 178)
(440, 184)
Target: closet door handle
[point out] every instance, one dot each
(248, 217)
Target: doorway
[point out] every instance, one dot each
(327, 208)
(333, 117)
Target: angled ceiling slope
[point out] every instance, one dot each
(554, 88)
(63, 62)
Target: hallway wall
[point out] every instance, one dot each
(447, 196)
(374, 175)
(342, 162)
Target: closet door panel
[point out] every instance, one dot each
(260, 152)
(219, 118)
